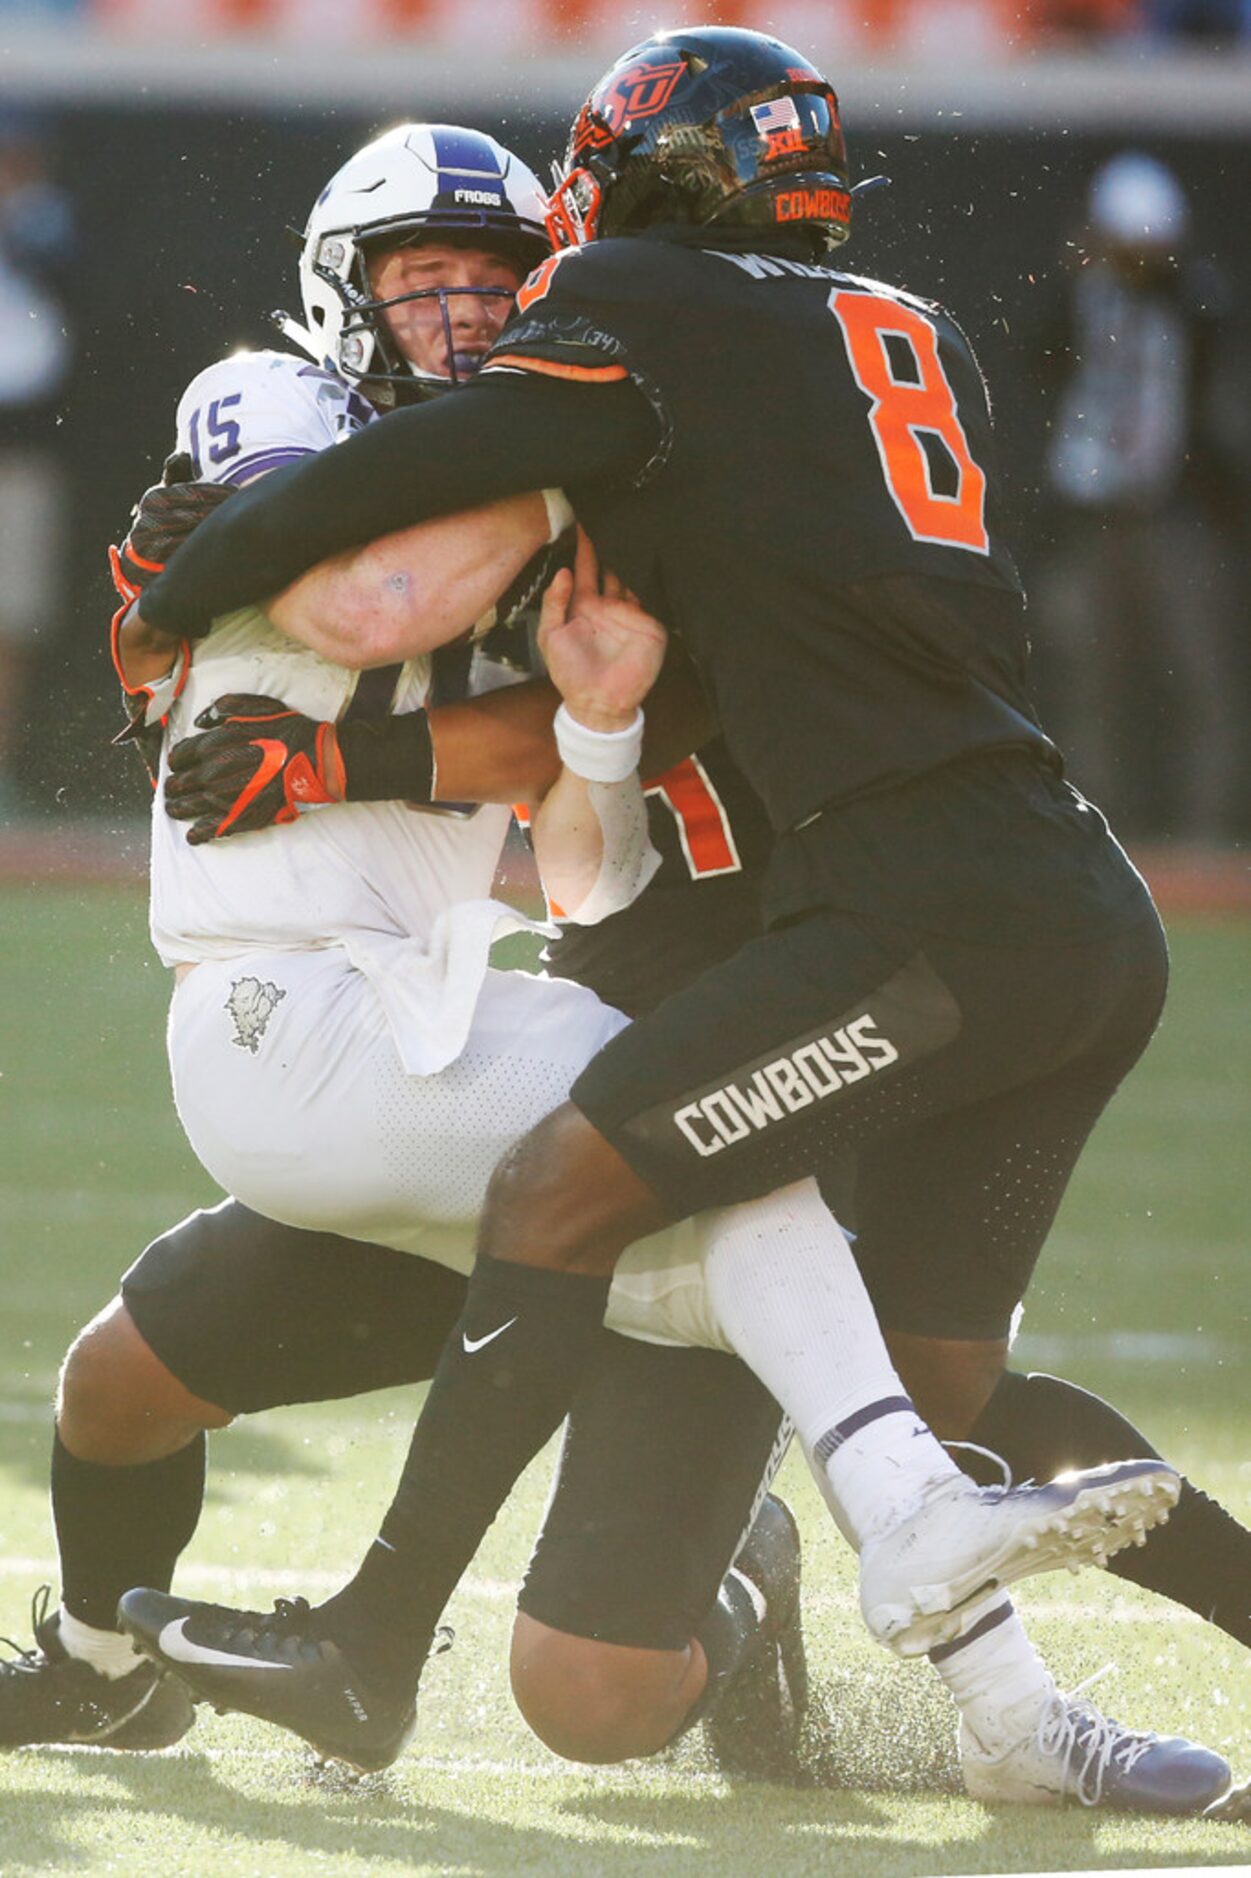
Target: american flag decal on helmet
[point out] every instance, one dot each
(777, 114)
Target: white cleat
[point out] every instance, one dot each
(1075, 1753)
(964, 1542)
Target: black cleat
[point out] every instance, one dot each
(273, 1665)
(48, 1697)
(753, 1728)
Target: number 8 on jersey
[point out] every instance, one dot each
(934, 482)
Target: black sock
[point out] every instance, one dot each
(1202, 1558)
(727, 1635)
(504, 1383)
(118, 1527)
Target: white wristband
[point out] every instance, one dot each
(559, 513)
(602, 756)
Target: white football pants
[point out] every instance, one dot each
(291, 1092)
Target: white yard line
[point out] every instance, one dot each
(216, 1578)
(240, 1578)
(1124, 1346)
(455, 1766)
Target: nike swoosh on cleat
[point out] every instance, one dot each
(477, 1343)
(178, 1647)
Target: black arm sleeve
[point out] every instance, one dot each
(501, 437)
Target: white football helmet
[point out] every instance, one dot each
(440, 180)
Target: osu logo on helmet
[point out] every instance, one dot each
(641, 91)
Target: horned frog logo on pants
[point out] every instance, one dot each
(252, 1004)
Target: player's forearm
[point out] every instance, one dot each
(143, 655)
(592, 847)
(568, 843)
(414, 590)
(501, 747)
(497, 439)
(591, 839)
(496, 748)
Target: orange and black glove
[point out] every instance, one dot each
(160, 522)
(258, 762)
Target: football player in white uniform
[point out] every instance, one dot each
(342, 1055)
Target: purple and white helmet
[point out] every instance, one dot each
(436, 180)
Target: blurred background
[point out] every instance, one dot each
(1069, 176)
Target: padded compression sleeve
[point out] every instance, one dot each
(501, 437)
(389, 759)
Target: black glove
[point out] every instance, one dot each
(160, 522)
(258, 762)
(236, 777)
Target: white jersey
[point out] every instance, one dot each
(405, 894)
(343, 1059)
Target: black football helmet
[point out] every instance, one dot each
(706, 127)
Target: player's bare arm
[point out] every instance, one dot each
(603, 653)
(401, 596)
(497, 748)
(512, 434)
(144, 654)
(416, 590)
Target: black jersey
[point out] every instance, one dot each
(702, 904)
(818, 520)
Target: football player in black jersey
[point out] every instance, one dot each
(230, 1312)
(958, 965)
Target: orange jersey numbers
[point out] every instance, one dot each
(893, 351)
(703, 822)
(703, 825)
(535, 286)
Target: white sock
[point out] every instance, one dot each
(108, 1651)
(789, 1298)
(995, 1676)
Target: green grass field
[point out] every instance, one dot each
(1145, 1292)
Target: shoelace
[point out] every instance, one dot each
(1073, 1727)
(291, 1617)
(38, 1617)
(1007, 1485)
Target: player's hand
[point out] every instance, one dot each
(257, 762)
(160, 522)
(602, 651)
